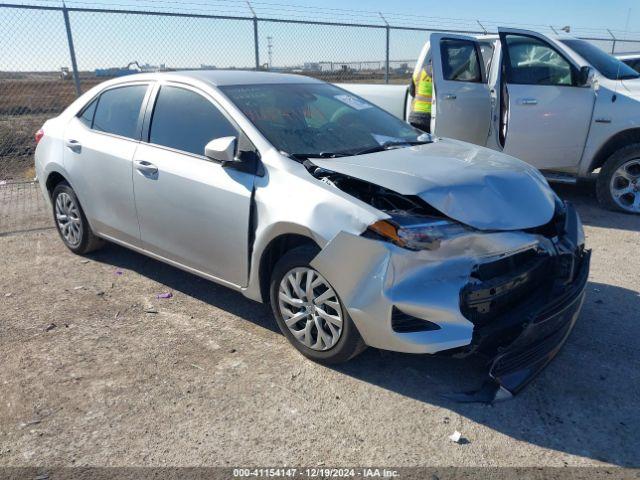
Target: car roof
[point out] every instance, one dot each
(224, 77)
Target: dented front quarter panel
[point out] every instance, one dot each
(424, 284)
(288, 200)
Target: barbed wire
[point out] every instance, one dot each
(284, 11)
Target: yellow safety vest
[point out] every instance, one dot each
(424, 93)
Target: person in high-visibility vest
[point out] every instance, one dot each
(420, 115)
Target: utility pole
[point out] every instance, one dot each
(386, 48)
(72, 51)
(270, 50)
(613, 46)
(255, 35)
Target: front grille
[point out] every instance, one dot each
(499, 286)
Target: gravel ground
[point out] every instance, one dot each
(98, 371)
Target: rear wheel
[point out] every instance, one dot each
(309, 311)
(618, 185)
(71, 222)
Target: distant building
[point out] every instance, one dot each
(130, 69)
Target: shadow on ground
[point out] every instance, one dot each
(191, 285)
(583, 404)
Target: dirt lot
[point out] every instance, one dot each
(90, 377)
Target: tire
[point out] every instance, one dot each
(71, 222)
(610, 177)
(344, 346)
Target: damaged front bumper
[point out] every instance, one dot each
(512, 297)
(520, 343)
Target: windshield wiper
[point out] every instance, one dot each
(388, 145)
(376, 148)
(303, 156)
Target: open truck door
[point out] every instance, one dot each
(545, 105)
(461, 95)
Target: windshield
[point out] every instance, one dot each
(318, 119)
(609, 66)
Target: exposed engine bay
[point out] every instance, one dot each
(378, 197)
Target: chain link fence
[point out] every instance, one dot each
(51, 54)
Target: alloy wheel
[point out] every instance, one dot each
(310, 308)
(625, 186)
(68, 219)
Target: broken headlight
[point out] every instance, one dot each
(422, 233)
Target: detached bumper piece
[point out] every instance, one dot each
(523, 318)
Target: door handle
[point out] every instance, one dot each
(450, 96)
(74, 145)
(528, 101)
(146, 168)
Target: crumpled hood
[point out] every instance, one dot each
(476, 186)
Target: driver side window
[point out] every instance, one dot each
(460, 62)
(186, 121)
(533, 62)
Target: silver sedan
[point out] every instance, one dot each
(357, 228)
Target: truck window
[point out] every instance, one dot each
(533, 62)
(635, 64)
(609, 66)
(486, 50)
(460, 60)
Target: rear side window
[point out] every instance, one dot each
(87, 113)
(460, 60)
(118, 111)
(185, 120)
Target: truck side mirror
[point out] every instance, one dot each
(584, 76)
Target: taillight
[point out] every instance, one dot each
(39, 135)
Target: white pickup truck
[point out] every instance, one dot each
(558, 103)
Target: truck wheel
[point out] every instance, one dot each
(309, 311)
(71, 222)
(618, 184)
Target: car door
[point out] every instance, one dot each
(461, 95)
(192, 210)
(546, 114)
(99, 146)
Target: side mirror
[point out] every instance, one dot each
(222, 149)
(584, 76)
(412, 89)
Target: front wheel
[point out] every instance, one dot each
(309, 311)
(618, 185)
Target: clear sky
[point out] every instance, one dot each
(37, 41)
(590, 14)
